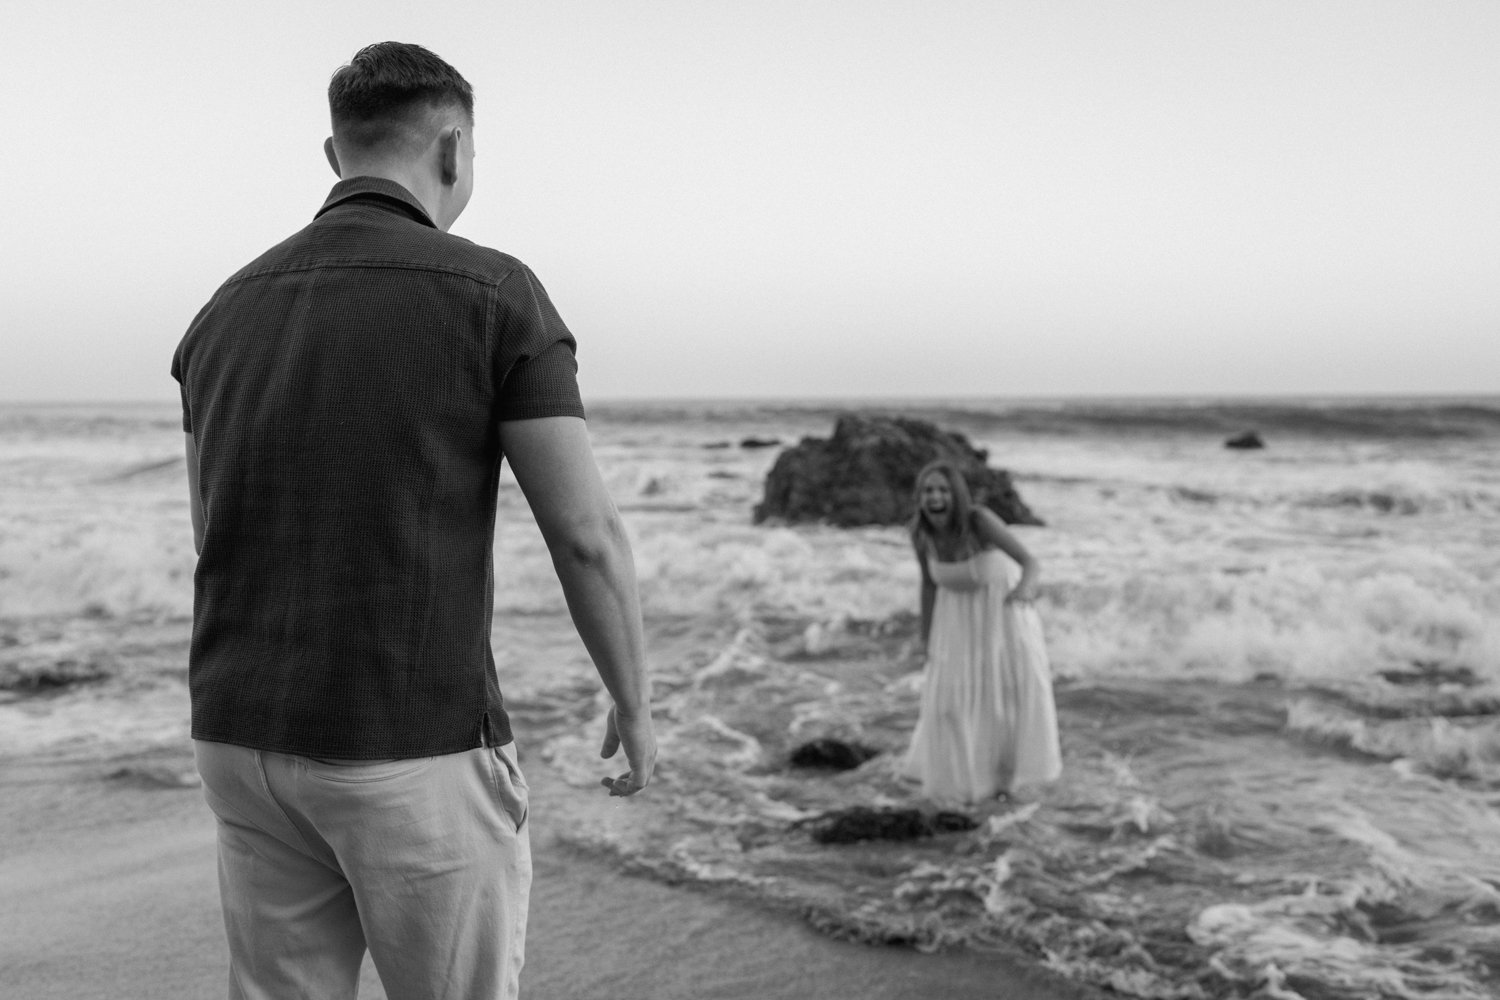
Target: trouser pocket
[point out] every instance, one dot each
(510, 785)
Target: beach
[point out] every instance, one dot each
(109, 883)
(1277, 676)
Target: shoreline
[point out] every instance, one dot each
(1198, 828)
(109, 876)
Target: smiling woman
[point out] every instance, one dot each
(988, 725)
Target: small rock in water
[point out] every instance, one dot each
(847, 826)
(47, 675)
(755, 442)
(1247, 440)
(834, 755)
(149, 776)
(1432, 672)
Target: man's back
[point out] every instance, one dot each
(347, 398)
(345, 392)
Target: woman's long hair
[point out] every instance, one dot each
(958, 532)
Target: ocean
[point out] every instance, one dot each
(1277, 670)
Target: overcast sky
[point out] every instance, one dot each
(809, 198)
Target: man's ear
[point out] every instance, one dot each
(448, 148)
(333, 158)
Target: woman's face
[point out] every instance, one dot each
(937, 497)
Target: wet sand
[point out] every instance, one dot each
(108, 887)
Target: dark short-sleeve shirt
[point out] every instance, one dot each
(344, 392)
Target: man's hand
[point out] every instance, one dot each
(639, 739)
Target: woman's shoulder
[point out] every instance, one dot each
(987, 527)
(980, 516)
(981, 529)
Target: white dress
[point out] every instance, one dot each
(988, 723)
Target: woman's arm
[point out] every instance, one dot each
(991, 529)
(928, 594)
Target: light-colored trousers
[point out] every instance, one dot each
(426, 862)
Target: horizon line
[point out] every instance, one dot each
(927, 400)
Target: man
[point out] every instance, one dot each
(347, 398)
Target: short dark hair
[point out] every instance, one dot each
(377, 98)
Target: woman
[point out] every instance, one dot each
(988, 724)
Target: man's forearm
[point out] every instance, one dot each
(554, 465)
(598, 580)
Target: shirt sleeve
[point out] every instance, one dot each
(177, 373)
(536, 369)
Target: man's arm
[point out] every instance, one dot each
(195, 503)
(554, 464)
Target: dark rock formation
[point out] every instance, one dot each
(1247, 440)
(832, 755)
(866, 472)
(756, 442)
(847, 826)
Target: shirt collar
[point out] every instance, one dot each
(380, 189)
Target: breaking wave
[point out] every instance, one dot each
(1277, 679)
(1196, 807)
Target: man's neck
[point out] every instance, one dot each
(411, 179)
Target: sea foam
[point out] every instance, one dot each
(1296, 827)
(1163, 554)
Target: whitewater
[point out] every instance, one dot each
(1277, 671)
